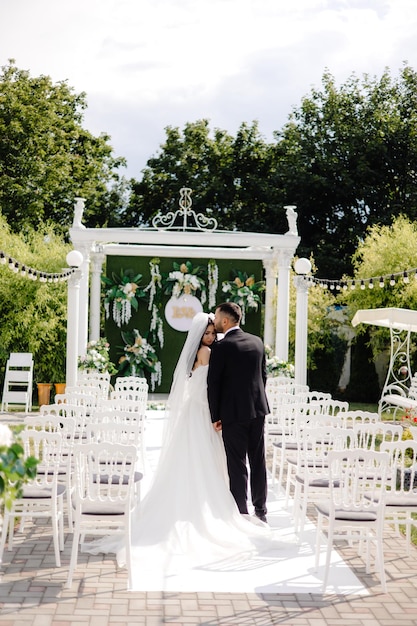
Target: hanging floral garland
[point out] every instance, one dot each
(123, 293)
(154, 289)
(185, 280)
(243, 290)
(139, 357)
(213, 282)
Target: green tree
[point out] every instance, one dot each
(34, 313)
(385, 250)
(230, 178)
(47, 158)
(346, 158)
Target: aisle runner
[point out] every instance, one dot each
(287, 570)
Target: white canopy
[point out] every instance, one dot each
(399, 319)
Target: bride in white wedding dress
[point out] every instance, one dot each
(189, 518)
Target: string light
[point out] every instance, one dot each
(33, 274)
(382, 281)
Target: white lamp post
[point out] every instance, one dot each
(74, 260)
(302, 267)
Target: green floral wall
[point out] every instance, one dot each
(173, 339)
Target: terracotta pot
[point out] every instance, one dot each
(44, 393)
(60, 387)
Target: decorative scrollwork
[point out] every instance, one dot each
(168, 221)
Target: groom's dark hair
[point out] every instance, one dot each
(232, 310)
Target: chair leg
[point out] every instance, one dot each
(74, 555)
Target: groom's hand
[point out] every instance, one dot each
(217, 425)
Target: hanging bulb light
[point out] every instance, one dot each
(23, 270)
(362, 285)
(381, 282)
(11, 263)
(352, 285)
(3, 259)
(371, 283)
(15, 268)
(405, 277)
(338, 286)
(332, 286)
(392, 280)
(345, 286)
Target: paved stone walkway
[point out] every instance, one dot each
(32, 592)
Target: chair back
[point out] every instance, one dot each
(357, 482)
(371, 435)
(352, 417)
(104, 474)
(403, 463)
(47, 448)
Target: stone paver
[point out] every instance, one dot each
(32, 593)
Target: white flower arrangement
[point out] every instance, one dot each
(155, 290)
(243, 290)
(185, 280)
(123, 293)
(213, 282)
(277, 367)
(139, 356)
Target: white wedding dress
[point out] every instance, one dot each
(189, 518)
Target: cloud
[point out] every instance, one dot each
(149, 64)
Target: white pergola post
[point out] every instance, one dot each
(97, 258)
(302, 268)
(83, 299)
(270, 267)
(74, 259)
(283, 305)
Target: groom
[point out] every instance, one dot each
(238, 405)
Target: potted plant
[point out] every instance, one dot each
(50, 367)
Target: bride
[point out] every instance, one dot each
(189, 518)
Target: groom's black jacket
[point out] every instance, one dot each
(236, 378)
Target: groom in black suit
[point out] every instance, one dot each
(238, 405)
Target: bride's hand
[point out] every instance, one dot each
(217, 425)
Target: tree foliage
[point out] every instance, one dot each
(230, 178)
(347, 158)
(33, 313)
(385, 250)
(47, 158)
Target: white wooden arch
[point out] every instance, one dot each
(275, 251)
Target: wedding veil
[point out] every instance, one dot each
(182, 373)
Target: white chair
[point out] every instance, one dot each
(290, 439)
(131, 388)
(311, 474)
(103, 496)
(64, 410)
(43, 496)
(358, 416)
(354, 510)
(66, 426)
(401, 496)
(100, 380)
(371, 435)
(18, 381)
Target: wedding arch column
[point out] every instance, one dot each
(83, 300)
(97, 258)
(284, 258)
(74, 259)
(270, 267)
(302, 285)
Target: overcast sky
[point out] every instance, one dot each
(148, 64)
